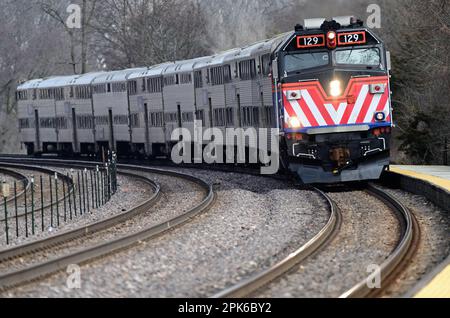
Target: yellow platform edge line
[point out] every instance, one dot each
(439, 287)
(440, 182)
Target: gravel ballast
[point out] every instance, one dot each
(254, 223)
(434, 247)
(174, 189)
(369, 233)
(7, 178)
(130, 193)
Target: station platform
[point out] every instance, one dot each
(436, 284)
(437, 175)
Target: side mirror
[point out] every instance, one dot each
(388, 61)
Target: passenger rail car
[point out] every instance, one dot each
(79, 106)
(113, 120)
(147, 101)
(324, 87)
(28, 116)
(42, 114)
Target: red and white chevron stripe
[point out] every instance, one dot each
(358, 104)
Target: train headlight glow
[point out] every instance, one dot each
(331, 35)
(335, 88)
(294, 122)
(380, 116)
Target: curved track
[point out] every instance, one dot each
(393, 265)
(402, 254)
(45, 268)
(254, 283)
(46, 171)
(65, 237)
(18, 176)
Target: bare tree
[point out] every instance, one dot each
(88, 10)
(139, 32)
(418, 35)
(30, 47)
(235, 23)
(78, 38)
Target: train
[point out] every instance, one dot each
(323, 87)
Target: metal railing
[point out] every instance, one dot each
(51, 200)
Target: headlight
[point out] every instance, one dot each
(335, 88)
(380, 116)
(294, 122)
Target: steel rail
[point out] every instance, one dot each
(162, 163)
(19, 176)
(401, 255)
(36, 271)
(389, 269)
(324, 237)
(59, 239)
(49, 172)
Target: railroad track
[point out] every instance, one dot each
(250, 169)
(260, 280)
(399, 259)
(393, 265)
(18, 176)
(84, 255)
(49, 172)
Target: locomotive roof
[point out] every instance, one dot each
(30, 84)
(116, 76)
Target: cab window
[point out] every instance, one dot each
(368, 57)
(302, 61)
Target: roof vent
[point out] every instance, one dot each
(330, 26)
(344, 21)
(311, 24)
(348, 21)
(298, 28)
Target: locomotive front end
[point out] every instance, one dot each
(333, 91)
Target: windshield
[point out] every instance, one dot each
(302, 61)
(370, 57)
